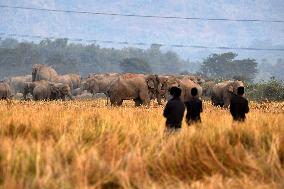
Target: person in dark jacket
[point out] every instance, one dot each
(239, 105)
(194, 108)
(174, 110)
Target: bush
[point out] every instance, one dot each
(272, 90)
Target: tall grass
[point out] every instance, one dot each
(84, 144)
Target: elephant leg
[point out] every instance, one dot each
(227, 102)
(144, 97)
(113, 101)
(25, 96)
(107, 99)
(70, 97)
(138, 102)
(116, 102)
(215, 101)
(119, 103)
(159, 99)
(36, 97)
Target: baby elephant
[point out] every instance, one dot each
(5, 91)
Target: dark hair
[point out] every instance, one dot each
(194, 91)
(175, 91)
(240, 90)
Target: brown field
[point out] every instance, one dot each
(84, 144)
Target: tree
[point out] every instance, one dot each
(134, 65)
(63, 64)
(9, 43)
(224, 66)
(277, 69)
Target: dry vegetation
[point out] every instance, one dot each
(88, 145)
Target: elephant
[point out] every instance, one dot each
(30, 86)
(184, 83)
(84, 95)
(43, 72)
(45, 90)
(164, 83)
(196, 79)
(18, 83)
(5, 91)
(77, 92)
(63, 91)
(65, 79)
(75, 79)
(223, 92)
(207, 88)
(99, 83)
(137, 87)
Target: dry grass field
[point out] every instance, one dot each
(85, 144)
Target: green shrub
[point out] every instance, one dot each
(272, 90)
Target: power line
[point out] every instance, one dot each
(140, 43)
(139, 15)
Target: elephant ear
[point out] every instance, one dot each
(231, 89)
(163, 85)
(151, 83)
(177, 83)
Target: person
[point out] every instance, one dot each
(174, 110)
(194, 108)
(239, 105)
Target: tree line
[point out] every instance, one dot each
(17, 58)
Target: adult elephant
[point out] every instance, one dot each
(207, 88)
(18, 83)
(75, 79)
(223, 92)
(43, 72)
(45, 90)
(137, 87)
(5, 91)
(30, 86)
(99, 83)
(63, 91)
(184, 83)
(196, 79)
(65, 79)
(164, 83)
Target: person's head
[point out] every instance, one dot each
(241, 91)
(175, 91)
(194, 91)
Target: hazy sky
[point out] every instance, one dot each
(149, 30)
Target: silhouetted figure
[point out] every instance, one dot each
(174, 110)
(239, 105)
(194, 108)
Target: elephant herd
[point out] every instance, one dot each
(46, 84)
